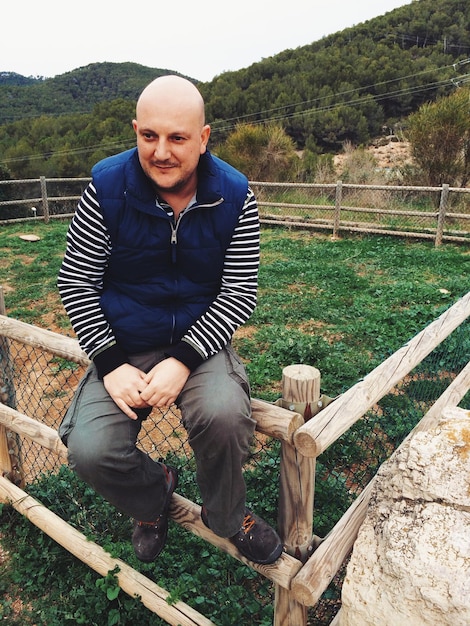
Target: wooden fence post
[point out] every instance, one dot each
(300, 384)
(45, 201)
(337, 215)
(442, 214)
(10, 443)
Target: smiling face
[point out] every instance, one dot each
(171, 136)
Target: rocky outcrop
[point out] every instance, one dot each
(410, 564)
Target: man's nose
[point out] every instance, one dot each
(162, 150)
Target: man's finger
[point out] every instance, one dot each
(125, 408)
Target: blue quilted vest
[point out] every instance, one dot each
(160, 279)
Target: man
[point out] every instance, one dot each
(160, 270)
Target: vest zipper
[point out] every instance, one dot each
(174, 230)
(173, 240)
(174, 225)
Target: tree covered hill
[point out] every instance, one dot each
(12, 78)
(73, 92)
(350, 84)
(347, 86)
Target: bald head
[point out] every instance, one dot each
(171, 137)
(172, 93)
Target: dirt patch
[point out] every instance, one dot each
(388, 152)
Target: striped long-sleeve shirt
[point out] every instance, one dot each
(81, 280)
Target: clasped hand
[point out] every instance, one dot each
(131, 388)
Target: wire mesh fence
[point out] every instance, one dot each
(437, 213)
(351, 462)
(41, 385)
(441, 214)
(39, 198)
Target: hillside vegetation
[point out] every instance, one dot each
(349, 86)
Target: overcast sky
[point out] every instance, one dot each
(199, 39)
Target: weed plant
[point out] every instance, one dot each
(59, 589)
(342, 306)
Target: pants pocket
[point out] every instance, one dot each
(236, 368)
(70, 417)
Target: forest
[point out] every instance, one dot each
(351, 86)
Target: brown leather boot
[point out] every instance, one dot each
(255, 540)
(148, 538)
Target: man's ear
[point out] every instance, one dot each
(205, 134)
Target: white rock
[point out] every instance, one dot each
(410, 564)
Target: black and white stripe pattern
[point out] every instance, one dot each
(80, 280)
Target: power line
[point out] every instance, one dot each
(70, 151)
(267, 115)
(366, 88)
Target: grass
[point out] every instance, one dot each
(28, 272)
(343, 306)
(398, 209)
(323, 302)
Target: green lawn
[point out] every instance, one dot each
(342, 306)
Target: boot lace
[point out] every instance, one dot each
(248, 523)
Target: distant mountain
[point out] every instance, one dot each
(73, 92)
(12, 78)
(350, 86)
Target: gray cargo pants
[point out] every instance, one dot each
(216, 412)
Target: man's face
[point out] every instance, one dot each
(170, 140)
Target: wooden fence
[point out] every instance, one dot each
(305, 570)
(440, 214)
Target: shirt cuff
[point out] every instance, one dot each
(109, 360)
(185, 353)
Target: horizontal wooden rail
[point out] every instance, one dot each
(188, 514)
(316, 575)
(317, 434)
(132, 582)
(35, 431)
(317, 224)
(60, 345)
(275, 421)
(441, 231)
(270, 419)
(182, 511)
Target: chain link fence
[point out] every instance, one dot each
(441, 214)
(436, 213)
(42, 198)
(41, 385)
(353, 459)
